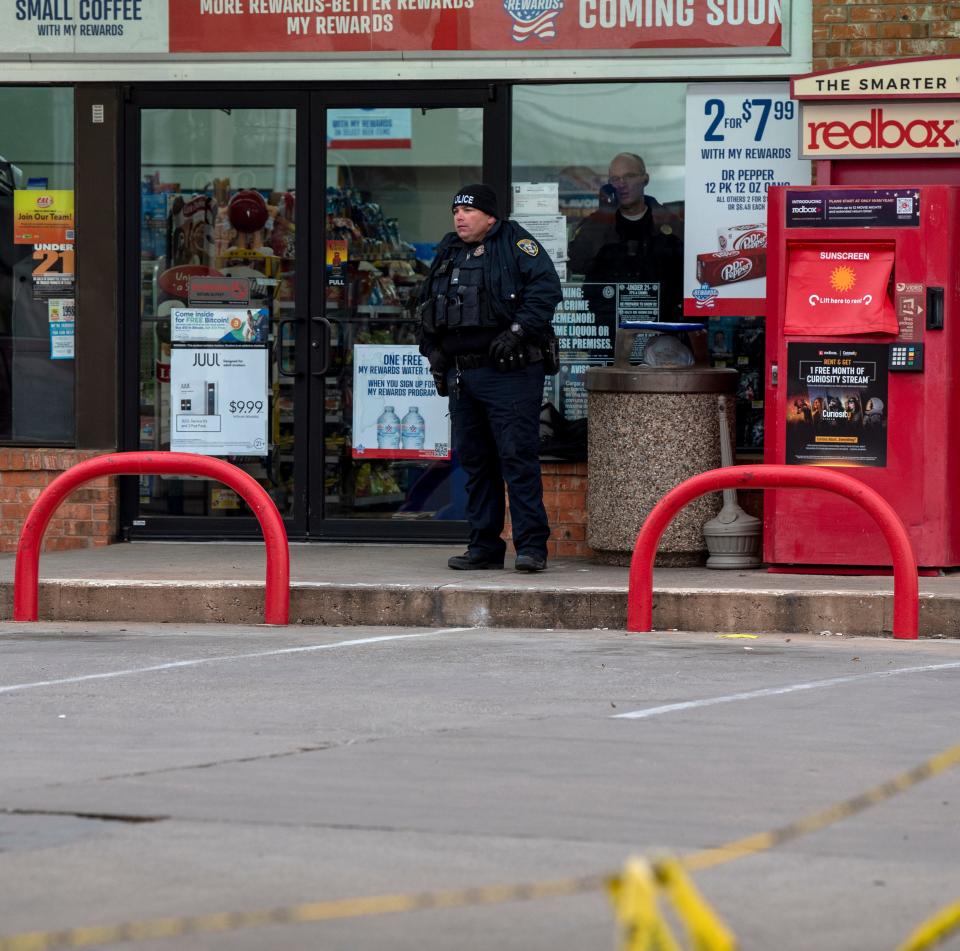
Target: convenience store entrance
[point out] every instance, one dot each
(322, 209)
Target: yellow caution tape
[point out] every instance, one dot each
(705, 930)
(298, 914)
(634, 896)
(708, 858)
(496, 894)
(943, 924)
(739, 637)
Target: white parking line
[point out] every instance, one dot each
(775, 691)
(214, 660)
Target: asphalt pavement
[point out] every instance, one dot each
(171, 770)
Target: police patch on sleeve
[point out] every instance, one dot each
(529, 246)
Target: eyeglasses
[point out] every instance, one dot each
(624, 179)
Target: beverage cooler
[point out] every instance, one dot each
(863, 359)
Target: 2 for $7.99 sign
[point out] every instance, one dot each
(741, 138)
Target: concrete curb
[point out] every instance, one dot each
(582, 608)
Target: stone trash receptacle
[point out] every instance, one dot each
(649, 428)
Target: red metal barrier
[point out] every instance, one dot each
(906, 603)
(277, 604)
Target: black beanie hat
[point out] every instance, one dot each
(477, 196)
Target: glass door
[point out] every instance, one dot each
(323, 207)
(391, 174)
(220, 183)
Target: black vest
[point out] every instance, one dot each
(458, 298)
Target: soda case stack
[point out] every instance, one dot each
(741, 255)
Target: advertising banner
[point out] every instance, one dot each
(740, 140)
(521, 27)
(83, 26)
(854, 208)
(837, 405)
(219, 325)
(369, 129)
(218, 400)
(527, 27)
(397, 413)
(838, 290)
(43, 216)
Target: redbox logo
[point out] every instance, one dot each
(878, 132)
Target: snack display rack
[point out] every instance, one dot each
(372, 281)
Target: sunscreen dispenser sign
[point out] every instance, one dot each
(863, 338)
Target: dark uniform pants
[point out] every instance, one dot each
(496, 437)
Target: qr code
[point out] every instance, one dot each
(904, 205)
(440, 449)
(71, 235)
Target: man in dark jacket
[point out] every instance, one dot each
(626, 213)
(485, 310)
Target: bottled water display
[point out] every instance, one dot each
(388, 429)
(413, 430)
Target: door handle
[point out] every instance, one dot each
(320, 347)
(278, 354)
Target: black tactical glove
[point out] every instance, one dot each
(509, 352)
(438, 369)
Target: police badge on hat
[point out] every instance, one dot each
(529, 246)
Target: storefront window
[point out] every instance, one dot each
(36, 266)
(599, 176)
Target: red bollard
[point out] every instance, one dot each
(26, 572)
(906, 591)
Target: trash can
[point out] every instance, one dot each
(649, 427)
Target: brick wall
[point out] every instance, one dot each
(565, 499)
(87, 517)
(861, 31)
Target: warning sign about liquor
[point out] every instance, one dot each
(837, 405)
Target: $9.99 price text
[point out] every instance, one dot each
(245, 407)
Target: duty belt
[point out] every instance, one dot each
(470, 361)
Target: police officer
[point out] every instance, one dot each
(486, 310)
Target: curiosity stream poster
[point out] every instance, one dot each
(837, 409)
(397, 413)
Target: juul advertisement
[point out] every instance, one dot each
(526, 27)
(836, 404)
(218, 400)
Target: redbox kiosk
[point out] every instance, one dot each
(863, 368)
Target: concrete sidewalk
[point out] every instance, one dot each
(351, 584)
